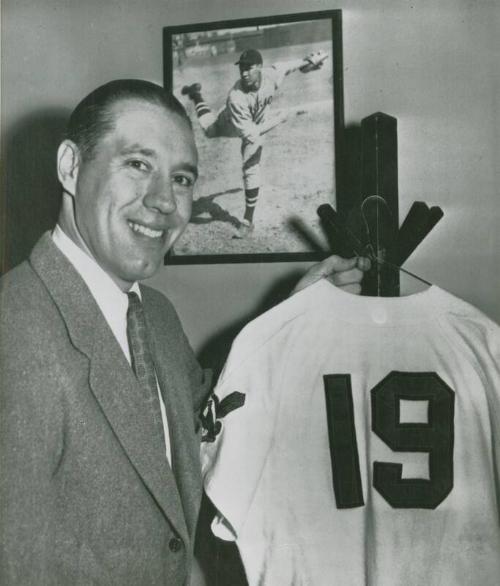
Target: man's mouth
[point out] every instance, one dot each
(144, 230)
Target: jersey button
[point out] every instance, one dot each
(175, 544)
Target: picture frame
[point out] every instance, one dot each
(283, 173)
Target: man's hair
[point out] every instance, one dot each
(93, 118)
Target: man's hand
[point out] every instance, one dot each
(253, 135)
(345, 273)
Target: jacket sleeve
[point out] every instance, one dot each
(31, 431)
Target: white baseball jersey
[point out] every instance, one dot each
(355, 440)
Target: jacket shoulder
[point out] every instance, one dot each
(21, 290)
(159, 305)
(31, 326)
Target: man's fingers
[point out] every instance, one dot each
(363, 263)
(346, 277)
(337, 264)
(334, 264)
(355, 289)
(338, 270)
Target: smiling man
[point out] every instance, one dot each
(129, 198)
(100, 390)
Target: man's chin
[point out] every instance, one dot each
(138, 267)
(139, 271)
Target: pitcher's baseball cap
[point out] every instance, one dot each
(250, 57)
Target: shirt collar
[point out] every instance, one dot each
(112, 301)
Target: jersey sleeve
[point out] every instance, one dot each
(243, 409)
(490, 372)
(240, 418)
(478, 340)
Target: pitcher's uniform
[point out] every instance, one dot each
(243, 112)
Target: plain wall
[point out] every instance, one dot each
(432, 65)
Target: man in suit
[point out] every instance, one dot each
(99, 388)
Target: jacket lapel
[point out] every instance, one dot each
(177, 396)
(110, 378)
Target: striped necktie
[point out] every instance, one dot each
(142, 360)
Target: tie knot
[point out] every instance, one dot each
(134, 302)
(133, 297)
(136, 323)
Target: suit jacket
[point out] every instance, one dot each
(86, 494)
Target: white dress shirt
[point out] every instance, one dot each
(112, 301)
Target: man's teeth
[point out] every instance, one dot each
(146, 231)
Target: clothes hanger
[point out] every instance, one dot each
(380, 226)
(350, 243)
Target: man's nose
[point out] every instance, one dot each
(160, 196)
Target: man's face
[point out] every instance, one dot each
(250, 75)
(133, 196)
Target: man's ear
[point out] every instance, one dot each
(68, 162)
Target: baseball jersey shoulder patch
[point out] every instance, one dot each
(215, 410)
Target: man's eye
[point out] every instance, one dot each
(184, 180)
(137, 164)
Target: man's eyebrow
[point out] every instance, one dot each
(190, 168)
(137, 148)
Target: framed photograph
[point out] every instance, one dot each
(265, 97)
